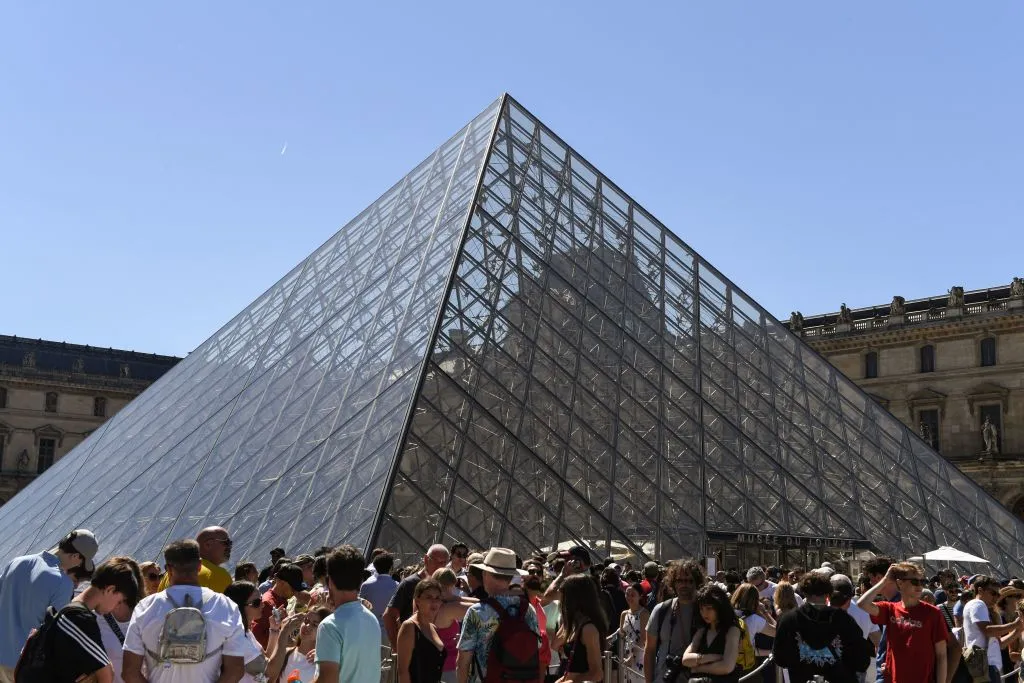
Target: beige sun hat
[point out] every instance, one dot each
(501, 562)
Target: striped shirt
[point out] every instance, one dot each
(77, 641)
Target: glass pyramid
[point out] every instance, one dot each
(505, 349)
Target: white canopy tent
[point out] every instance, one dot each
(950, 554)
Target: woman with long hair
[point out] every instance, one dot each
(283, 659)
(151, 575)
(114, 626)
(716, 645)
(747, 602)
(633, 627)
(582, 631)
(421, 654)
(248, 598)
(785, 601)
(449, 619)
(785, 598)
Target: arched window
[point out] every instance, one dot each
(928, 358)
(988, 351)
(51, 402)
(871, 364)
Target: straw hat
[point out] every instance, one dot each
(1014, 590)
(500, 562)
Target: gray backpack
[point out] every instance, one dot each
(183, 636)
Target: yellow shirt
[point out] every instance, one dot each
(211, 576)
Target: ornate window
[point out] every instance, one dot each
(99, 407)
(51, 402)
(988, 351)
(928, 358)
(47, 449)
(871, 365)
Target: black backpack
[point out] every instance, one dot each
(34, 664)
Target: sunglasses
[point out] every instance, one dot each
(154, 577)
(914, 582)
(254, 603)
(226, 541)
(535, 572)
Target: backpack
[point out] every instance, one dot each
(515, 649)
(183, 636)
(746, 656)
(34, 663)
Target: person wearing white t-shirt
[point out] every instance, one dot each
(225, 636)
(842, 597)
(979, 629)
(765, 588)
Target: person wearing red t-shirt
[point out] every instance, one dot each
(916, 631)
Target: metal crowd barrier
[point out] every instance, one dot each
(627, 674)
(757, 670)
(388, 665)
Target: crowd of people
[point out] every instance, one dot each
(460, 616)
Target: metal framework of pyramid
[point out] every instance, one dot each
(505, 349)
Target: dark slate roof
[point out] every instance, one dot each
(61, 357)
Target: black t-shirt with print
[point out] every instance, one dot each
(77, 644)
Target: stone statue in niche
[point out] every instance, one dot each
(845, 318)
(926, 433)
(1017, 288)
(897, 306)
(956, 297)
(22, 461)
(29, 359)
(796, 321)
(990, 436)
(79, 365)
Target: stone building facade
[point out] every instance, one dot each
(950, 366)
(53, 395)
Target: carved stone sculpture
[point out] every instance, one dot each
(897, 306)
(956, 297)
(796, 321)
(844, 316)
(990, 436)
(926, 433)
(1017, 288)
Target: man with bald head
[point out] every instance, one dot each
(214, 550)
(400, 608)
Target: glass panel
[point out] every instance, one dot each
(296, 406)
(593, 381)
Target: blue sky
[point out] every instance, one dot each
(815, 152)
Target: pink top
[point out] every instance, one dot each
(450, 637)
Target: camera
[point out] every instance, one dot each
(673, 667)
